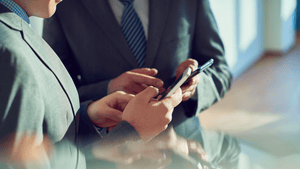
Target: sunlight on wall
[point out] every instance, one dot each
(248, 23)
(287, 8)
(225, 14)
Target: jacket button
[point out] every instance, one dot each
(79, 77)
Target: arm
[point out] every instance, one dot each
(122, 129)
(216, 80)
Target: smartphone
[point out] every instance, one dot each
(200, 69)
(184, 78)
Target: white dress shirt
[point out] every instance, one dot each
(141, 7)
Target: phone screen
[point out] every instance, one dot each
(182, 78)
(186, 76)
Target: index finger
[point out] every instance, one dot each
(117, 99)
(192, 63)
(145, 79)
(146, 71)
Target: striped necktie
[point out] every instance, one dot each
(134, 32)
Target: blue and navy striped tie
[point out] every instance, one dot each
(133, 31)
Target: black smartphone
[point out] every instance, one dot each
(184, 78)
(200, 69)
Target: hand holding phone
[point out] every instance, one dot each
(184, 78)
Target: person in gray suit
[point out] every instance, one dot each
(89, 38)
(41, 125)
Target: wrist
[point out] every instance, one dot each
(89, 108)
(145, 135)
(90, 112)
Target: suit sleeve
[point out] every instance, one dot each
(207, 44)
(21, 107)
(119, 135)
(54, 35)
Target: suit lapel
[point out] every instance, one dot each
(106, 20)
(52, 62)
(158, 12)
(29, 36)
(41, 49)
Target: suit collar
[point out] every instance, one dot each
(14, 7)
(104, 17)
(11, 19)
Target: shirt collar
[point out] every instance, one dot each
(11, 5)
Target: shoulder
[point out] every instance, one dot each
(10, 32)
(9, 45)
(13, 59)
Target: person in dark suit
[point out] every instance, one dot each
(91, 39)
(87, 36)
(41, 125)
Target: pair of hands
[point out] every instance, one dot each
(135, 81)
(148, 116)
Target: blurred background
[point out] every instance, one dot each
(262, 109)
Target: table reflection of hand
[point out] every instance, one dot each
(134, 154)
(153, 154)
(181, 147)
(26, 150)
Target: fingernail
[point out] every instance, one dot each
(165, 156)
(157, 90)
(193, 67)
(160, 83)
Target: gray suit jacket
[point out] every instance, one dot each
(90, 43)
(38, 96)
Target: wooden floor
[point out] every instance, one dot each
(262, 109)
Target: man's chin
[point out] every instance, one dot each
(51, 12)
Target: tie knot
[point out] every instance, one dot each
(125, 2)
